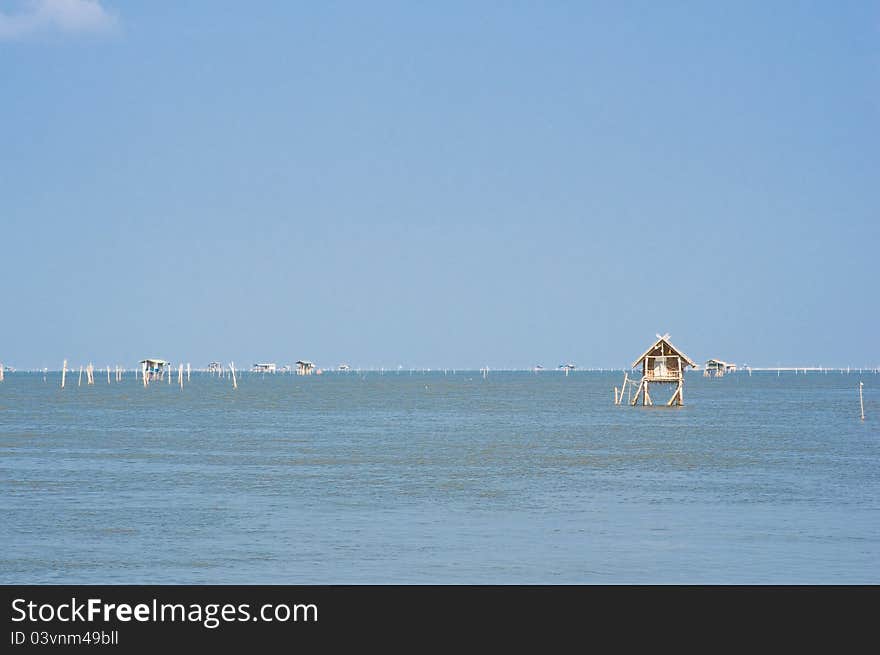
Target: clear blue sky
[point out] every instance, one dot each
(439, 184)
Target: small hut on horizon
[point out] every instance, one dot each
(305, 367)
(662, 363)
(154, 369)
(215, 367)
(717, 368)
(264, 368)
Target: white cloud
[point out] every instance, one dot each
(73, 16)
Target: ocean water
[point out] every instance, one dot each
(439, 478)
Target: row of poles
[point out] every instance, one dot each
(146, 375)
(90, 379)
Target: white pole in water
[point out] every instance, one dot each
(144, 374)
(170, 374)
(80, 381)
(63, 372)
(1, 371)
(187, 371)
(108, 373)
(862, 400)
(232, 369)
(180, 376)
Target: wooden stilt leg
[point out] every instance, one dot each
(635, 400)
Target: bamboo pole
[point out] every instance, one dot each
(862, 400)
(635, 401)
(144, 374)
(187, 371)
(108, 373)
(232, 370)
(615, 396)
(63, 372)
(80, 381)
(180, 376)
(1, 371)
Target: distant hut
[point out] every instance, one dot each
(344, 367)
(215, 367)
(717, 368)
(662, 363)
(154, 369)
(264, 368)
(304, 368)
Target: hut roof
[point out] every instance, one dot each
(161, 362)
(716, 361)
(664, 340)
(305, 363)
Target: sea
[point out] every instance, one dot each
(441, 477)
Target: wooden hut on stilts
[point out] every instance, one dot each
(717, 368)
(662, 363)
(155, 369)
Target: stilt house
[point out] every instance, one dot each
(717, 368)
(662, 363)
(154, 369)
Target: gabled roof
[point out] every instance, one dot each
(664, 339)
(153, 361)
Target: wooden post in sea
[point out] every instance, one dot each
(187, 371)
(108, 373)
(144, 374)
(80, 381)
(180, 376)
(862, 400)
(63, 372)
(618, 398)
(232, 370)
(1, 371)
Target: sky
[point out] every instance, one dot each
(442, 185)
